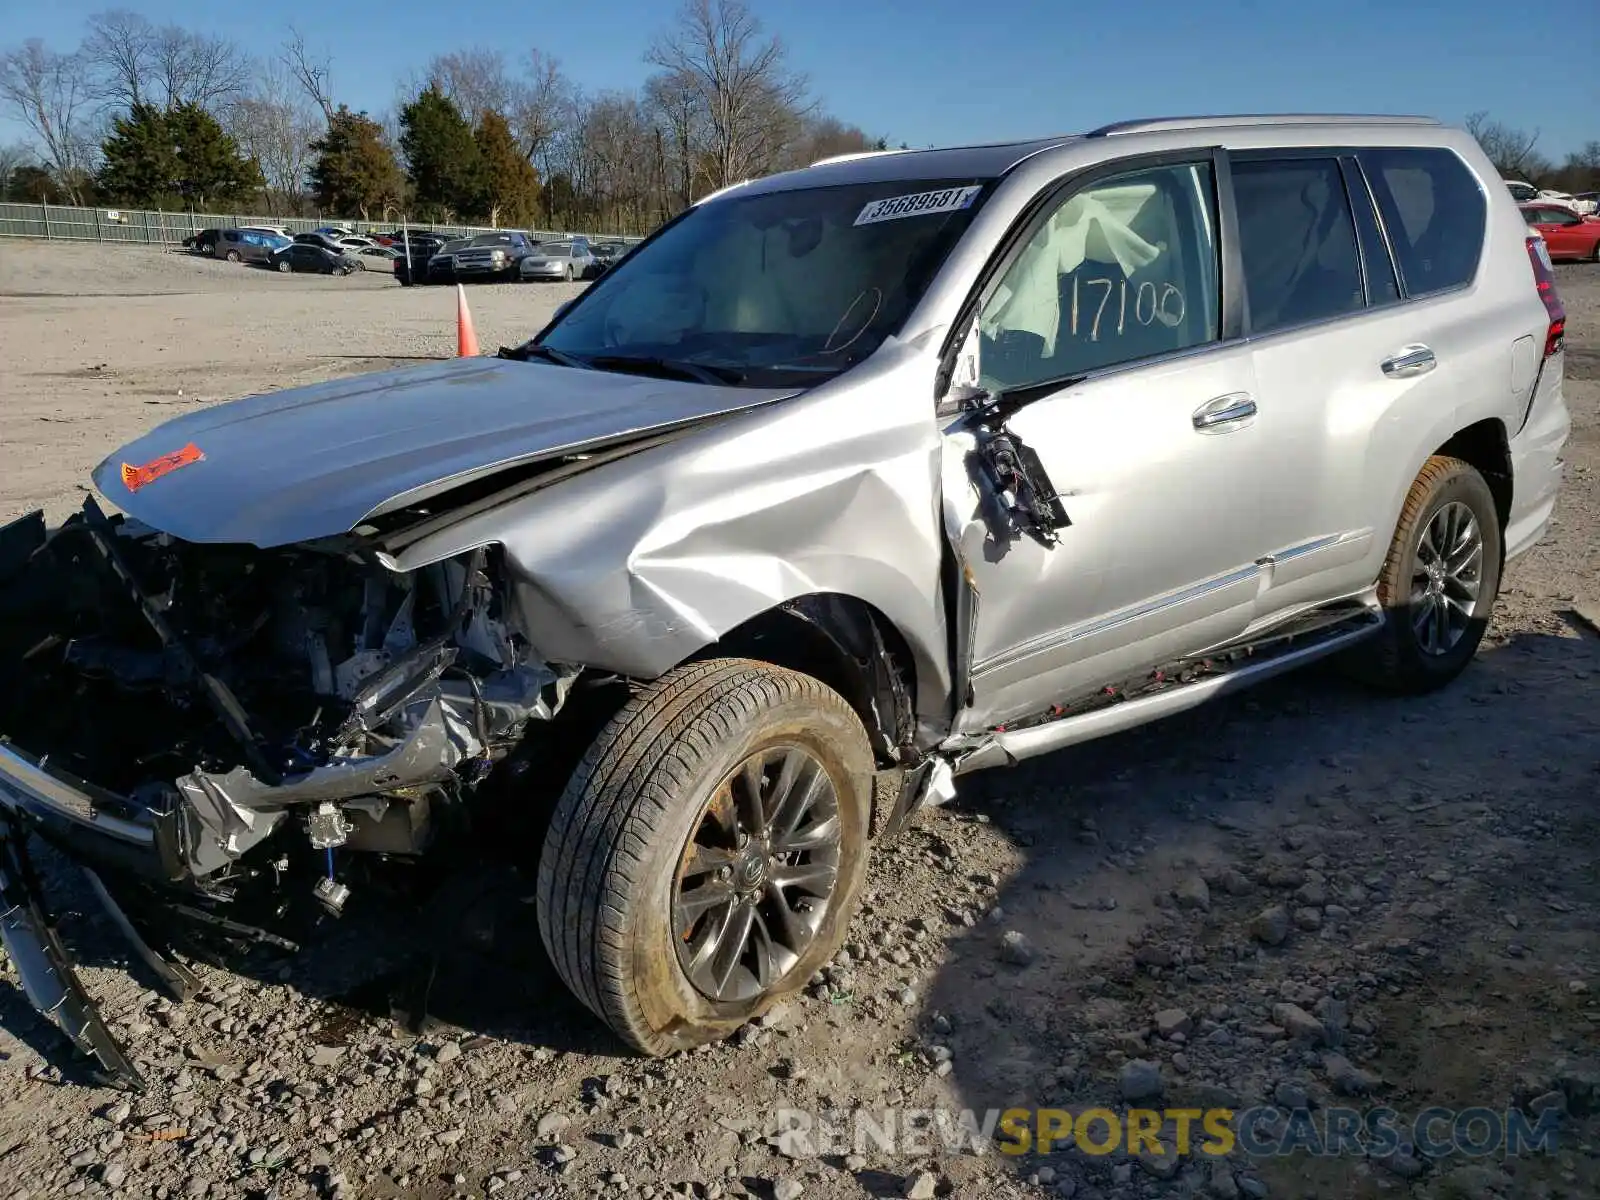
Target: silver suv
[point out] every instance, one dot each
(846, 483)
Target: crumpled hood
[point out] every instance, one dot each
(312, 462)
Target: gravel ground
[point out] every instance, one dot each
(1302, 897)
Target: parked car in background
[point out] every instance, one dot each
(414, 267)
(274, 230)
(1567, 234)
(202, 241)
(314, 258)
(1579, 204)
(247, 245)
(607, 255)
(320, 239)
(568, 259)
(1520, 190)
(495, 256)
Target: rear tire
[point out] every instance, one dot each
(656, 914)
(1438, 584)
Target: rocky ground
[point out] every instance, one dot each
(1306, 897)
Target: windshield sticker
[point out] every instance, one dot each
(136, 477)
(917, 205)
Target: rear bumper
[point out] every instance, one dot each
(1537, 470)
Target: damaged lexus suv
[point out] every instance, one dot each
(847, 482)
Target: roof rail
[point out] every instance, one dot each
(721, 192)
(1160, 124)
(851, 157)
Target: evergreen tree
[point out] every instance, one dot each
(355, 170)
(168, 158)
(140, 164)
(212, 171)
(510, 184)
(447, 176)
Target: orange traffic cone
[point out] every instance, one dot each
(466, 337)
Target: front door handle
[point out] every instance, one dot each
(1412, 360)
(1225, 413)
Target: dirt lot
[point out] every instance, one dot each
(1306, 897)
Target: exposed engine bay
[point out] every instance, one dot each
(247, 695)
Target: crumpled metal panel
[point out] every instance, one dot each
(313, 462)
(638, 564)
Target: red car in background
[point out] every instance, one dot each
(1566, 234)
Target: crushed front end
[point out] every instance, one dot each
(214, 724)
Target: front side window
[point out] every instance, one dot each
(1435, 214)
(1297, 241)
(1122, 270)
(773, 289)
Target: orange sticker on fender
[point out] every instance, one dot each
(134, 478)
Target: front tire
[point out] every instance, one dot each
(1439, 582)
(707, 855)
(233, 256)
(284, 266)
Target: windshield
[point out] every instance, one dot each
(776, 289)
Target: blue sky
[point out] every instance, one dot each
(939, 71)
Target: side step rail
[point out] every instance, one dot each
(1010, 746)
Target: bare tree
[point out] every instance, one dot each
(751, 98)
(275, 125)
(119, 46)
(191, 68)
(543, 100)
(1510, 150)
(313, 72)
(49, 93)
(675, 99)
(475, 80)
(136, 62)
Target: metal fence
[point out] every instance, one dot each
(135, 227)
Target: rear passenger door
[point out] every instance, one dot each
(1352, 264)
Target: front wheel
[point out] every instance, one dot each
(233, 256)
(284, 267)
(567, 274)
(1439, 582)
(707, 855)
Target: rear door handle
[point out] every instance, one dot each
(1412, 360)
(1225, 413)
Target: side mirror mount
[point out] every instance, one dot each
(963, 388)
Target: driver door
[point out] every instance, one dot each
(1150, 436)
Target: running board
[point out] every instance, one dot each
(1009, 747)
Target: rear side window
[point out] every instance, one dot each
(1297, 240)
(1434, 212)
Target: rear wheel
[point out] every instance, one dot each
(1439, 581)
(706, 857)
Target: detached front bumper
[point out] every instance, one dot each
(89, 824)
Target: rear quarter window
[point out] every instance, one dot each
(1435, 214)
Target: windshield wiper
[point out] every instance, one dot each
(668, 368)
(529, 350)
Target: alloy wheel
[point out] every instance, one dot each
(1447, 578)
(757, 875)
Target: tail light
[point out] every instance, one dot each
(1544, 277)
